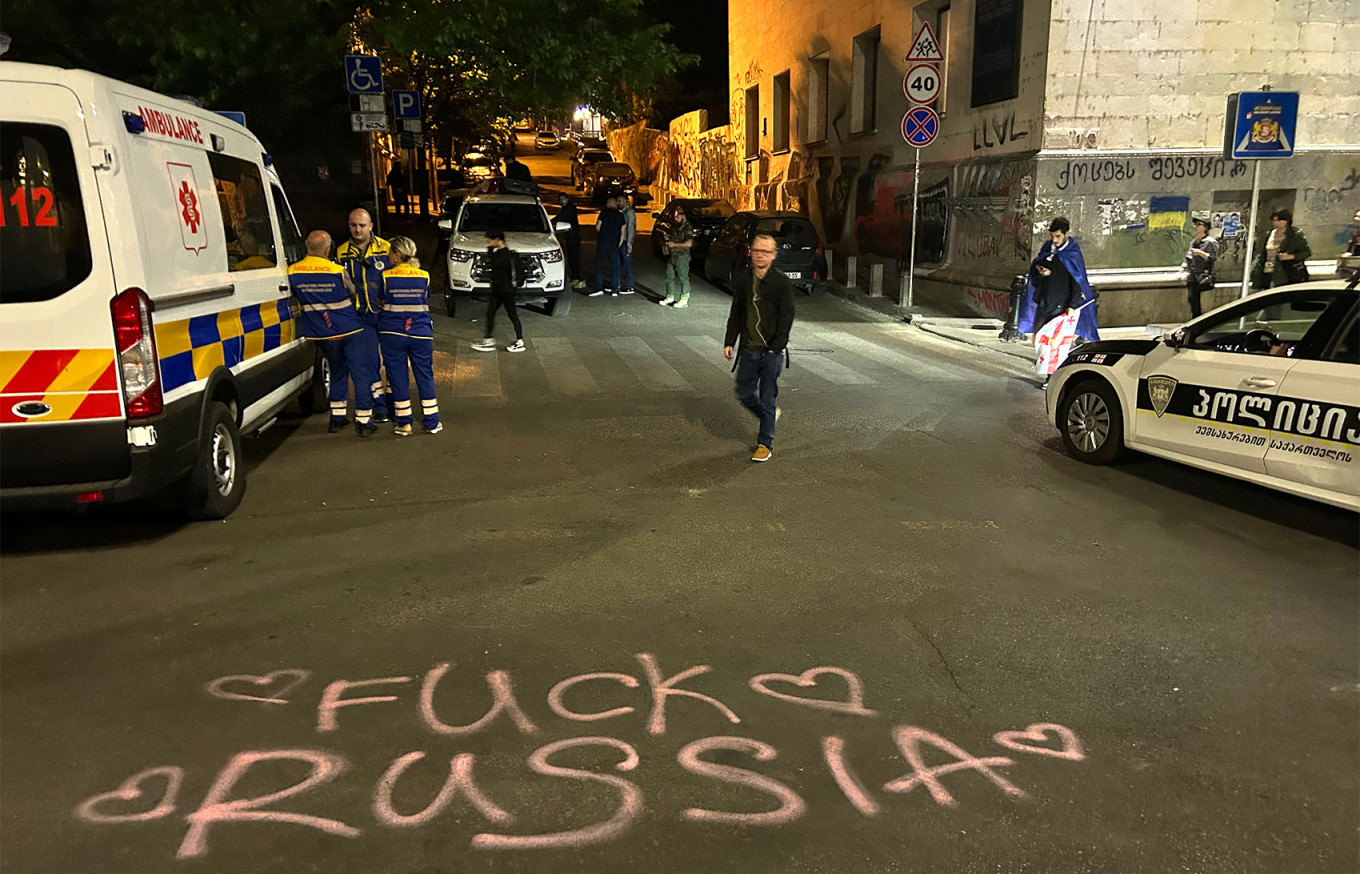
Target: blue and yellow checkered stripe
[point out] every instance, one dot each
(190, 349)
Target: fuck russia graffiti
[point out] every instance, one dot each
(285, 786)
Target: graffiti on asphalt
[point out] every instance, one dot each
(245, 789)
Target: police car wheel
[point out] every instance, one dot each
(218, 481)
(1092, 422)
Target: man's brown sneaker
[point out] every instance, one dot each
(762, 453)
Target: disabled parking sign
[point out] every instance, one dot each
(363, 74)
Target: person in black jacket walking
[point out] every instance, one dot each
(571, 238)
(505, 279)
(760, 319)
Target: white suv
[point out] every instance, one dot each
(528, 233)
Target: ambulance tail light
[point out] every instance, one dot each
(136, 344)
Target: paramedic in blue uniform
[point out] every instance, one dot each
(365, 258)
(328, 317)
(406, 333)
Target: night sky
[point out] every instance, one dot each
(698, 27)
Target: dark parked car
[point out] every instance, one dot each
(583, 161)
(479, 167)
(706, 215)
(799, 256)
(609, 179)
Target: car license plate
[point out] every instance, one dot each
(794, 275)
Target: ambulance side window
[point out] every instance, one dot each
(293, 248)
(245, 213)
(44, 243)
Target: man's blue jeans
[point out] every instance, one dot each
(758, 388)
(626, 260)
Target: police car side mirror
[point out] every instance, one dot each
(562, 227)
(446, 225)
(1174, 339)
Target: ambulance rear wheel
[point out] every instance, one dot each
(218, 481)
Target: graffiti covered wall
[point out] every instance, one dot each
(635, 146)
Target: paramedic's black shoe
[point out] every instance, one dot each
(337, 425)
(381, 418)
(365, 429)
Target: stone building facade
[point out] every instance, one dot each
(1110, 112)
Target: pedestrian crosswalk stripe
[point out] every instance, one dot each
(649, 367)
(566, 374)
(476, 374)
(912, 365)
(709, 349)
(831, 371)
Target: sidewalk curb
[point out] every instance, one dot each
(1020, 350)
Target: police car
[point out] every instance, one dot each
(1265, 389)
(528, 233)
(145, 314)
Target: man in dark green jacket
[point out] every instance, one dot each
(761, 318)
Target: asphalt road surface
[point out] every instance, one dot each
(580, 632)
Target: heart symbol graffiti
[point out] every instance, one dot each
(131, 791)
(272, 696)
(853, 704)
(1030, 740)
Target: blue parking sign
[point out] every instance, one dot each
(1261, 124)
(406, 104)
(363, 74)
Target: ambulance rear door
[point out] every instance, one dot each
(61, 403)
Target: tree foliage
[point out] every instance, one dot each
(474, 60)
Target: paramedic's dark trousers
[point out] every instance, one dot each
(371, 347)
(349, 358)
(758, 388)
(399, 352)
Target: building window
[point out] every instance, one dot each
(996, 51)
(781, 112)
(942, 35)
(818, 79)
(753, 121)
(864, 82)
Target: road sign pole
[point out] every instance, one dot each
(1251, 228)
(911, 258)
(373, 164)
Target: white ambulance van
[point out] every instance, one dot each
(145, 314)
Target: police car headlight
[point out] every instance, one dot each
(552, 256)
(460, 254)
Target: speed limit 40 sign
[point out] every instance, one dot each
(922, 83)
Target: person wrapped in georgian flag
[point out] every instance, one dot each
(1058, 286)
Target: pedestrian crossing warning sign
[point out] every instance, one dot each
(925, 47)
